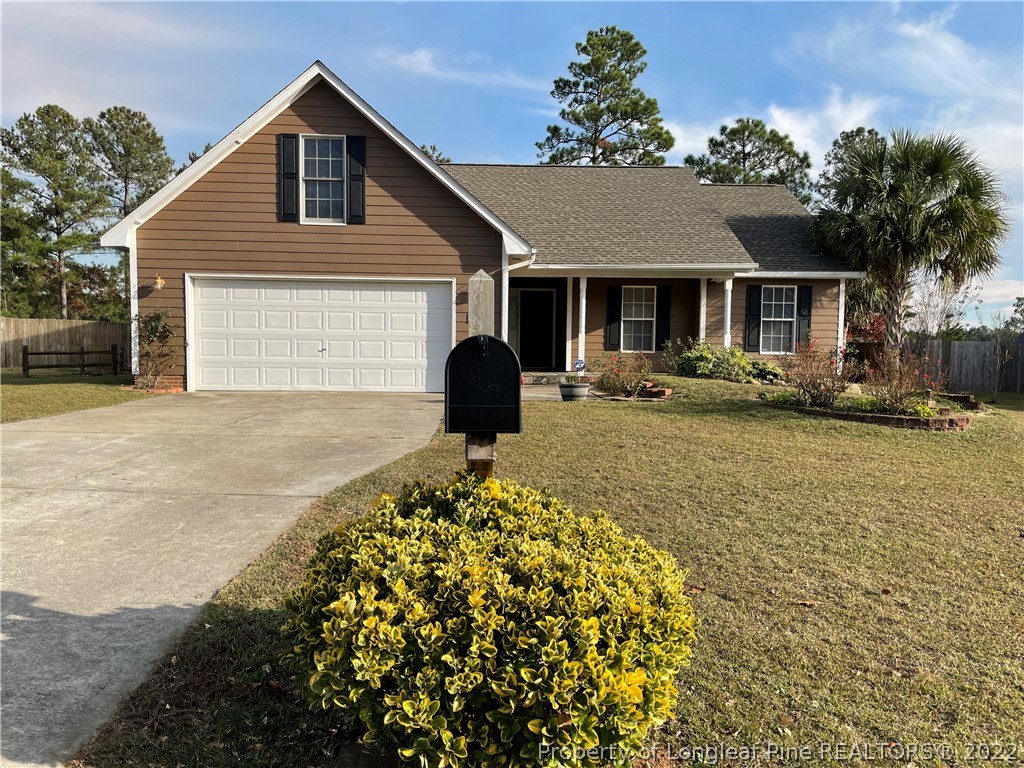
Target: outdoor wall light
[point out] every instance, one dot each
(158, 282)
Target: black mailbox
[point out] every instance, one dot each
(482, 388)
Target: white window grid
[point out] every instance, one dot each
(778, 319)
(323, 179)
(638, 308)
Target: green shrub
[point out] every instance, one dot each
(482, 623)
(622, 374)
(785, 397)
(700, 360)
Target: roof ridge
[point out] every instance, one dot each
(745, 185)
(577, 167)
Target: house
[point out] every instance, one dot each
(316, 248)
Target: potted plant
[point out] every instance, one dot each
(574, 389)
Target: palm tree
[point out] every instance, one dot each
(912, 205)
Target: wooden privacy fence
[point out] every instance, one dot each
(969, 365)
(59, 336)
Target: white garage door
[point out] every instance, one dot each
(321, 335)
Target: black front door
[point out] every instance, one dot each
(537, 329)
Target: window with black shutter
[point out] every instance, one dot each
(322, 179)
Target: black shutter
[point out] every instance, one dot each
(662, 315)
(803, 314)
(752, 336)
(355, 146)
(288, 177)
(613, 322)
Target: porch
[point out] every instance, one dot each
(554, 321)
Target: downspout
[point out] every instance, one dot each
(505, 269)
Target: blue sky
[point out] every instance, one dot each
(474, 78)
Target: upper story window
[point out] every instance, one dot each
(637, 318)
(323, 179)
(778, 319)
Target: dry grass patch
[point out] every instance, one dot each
(49, 393)
(855, 583)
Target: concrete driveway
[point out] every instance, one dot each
(120, 523)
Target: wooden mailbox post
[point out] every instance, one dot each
(482, 397)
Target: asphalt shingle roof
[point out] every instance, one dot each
(772, 226)
(605, 215)
(610, 215)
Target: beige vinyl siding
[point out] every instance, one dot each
(226, 222)
(824, 309)
(685, 311)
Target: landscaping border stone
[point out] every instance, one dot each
(956, 422)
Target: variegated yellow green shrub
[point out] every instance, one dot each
(480, 623)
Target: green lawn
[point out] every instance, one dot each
(50, 392)
(855, 583)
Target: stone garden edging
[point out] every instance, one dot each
(956, 422)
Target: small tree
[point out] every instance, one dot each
(1006, 334)
(155, 335)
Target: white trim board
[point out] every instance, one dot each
(120, 234)
(807, 275)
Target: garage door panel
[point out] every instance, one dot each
(277, 378)
(339, 335)
(308, 320)
(271, 293)
(341, 351)
(245, 319)
(308, 349)
(370, 378)
(370, 350)
(311, 294)
(245, 293)
(245, 378)
(279, 349)
(213, 319)
(277, 320)
(242, 349)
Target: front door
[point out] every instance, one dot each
(536, 329)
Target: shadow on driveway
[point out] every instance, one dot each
(57, 666)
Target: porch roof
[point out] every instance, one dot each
(607, 215)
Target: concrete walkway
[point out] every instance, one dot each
(120, 523)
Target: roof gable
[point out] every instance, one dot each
(123, 233)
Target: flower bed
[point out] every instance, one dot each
(946, 422)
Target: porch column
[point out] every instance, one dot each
(581, 338)
(841, 336)
(568, 323)
(727, 335)
(702, 328)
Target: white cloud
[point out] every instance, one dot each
(471, 68)
(814, 127)
(937, 81)
(692, 138)
(54, 53)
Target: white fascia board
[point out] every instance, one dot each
(713, 271)
(806, 275)
(117, 237)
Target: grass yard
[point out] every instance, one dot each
(51, 392)
(855, 583)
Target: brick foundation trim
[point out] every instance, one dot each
(956, 422)
(166, 383)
